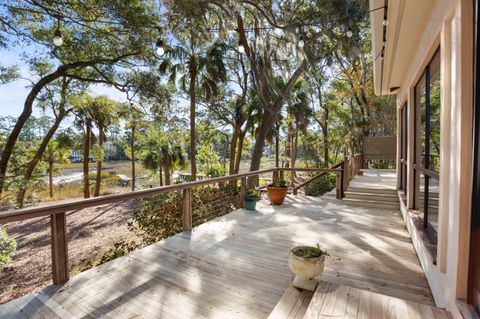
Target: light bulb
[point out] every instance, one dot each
(349, 33)
(159, 49)
(58, 39)
(241, 48)
(301, 43)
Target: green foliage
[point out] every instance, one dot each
(7, 247)
(280, 183)
(161, 216)
(322, 185)
(252, 193)
(309, 251)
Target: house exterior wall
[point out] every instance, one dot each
(451, 29)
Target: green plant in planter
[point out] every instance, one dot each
(310, 252)
(279, 183)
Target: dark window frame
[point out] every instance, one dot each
(419, 167)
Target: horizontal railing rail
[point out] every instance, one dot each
(426, 171)
(58, 211)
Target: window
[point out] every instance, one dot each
(427, 134)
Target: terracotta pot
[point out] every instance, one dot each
(305, 269)
(277, 194)
(360, 173)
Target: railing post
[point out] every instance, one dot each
(342, 181)
(58, 225)
(306, 189)
(282, 175)
(338, 183)
(187, 209)
(243, 192)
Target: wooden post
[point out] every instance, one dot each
(306, 189)
(187, 209)
(338, 182)
(282, 175)
(346, 170)
(342, 181)
(243, 192)
(58, 225)
(295, 191)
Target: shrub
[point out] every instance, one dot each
(322, 185)
(7, 247)
(161, 216)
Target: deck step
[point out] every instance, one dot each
(293, 304)
(337, 301)
(371, 203)
(372, 196)
(377, 190)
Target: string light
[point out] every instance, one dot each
(241, 48)
(159, 47)
(301, 42)
(349, 32)
(58, 39)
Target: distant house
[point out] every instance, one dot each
(76, 156)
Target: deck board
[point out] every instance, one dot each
(236, 267)
(336, 301)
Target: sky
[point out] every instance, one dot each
(13, 94)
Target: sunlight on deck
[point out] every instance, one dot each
(236, 266)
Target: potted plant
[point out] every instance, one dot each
(277, 191)
(360, 173)
(251, 198)
(307, 263)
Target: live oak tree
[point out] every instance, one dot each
(98, 36)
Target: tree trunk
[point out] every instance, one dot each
(262, 132)
(325, 137)
(238, 158)
(193, 80)
(98, 180)
(167, 175)
(37, 157)
(86, 156)
(50, 177)
(160, 173)
(233, 149)
(132, 150)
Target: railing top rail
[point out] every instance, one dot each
(50, 209)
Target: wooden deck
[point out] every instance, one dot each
(236, 266)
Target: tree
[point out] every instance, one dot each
(90, 49)
(55, 152)
(103, 111)
(205, 69)
(162, 154)
(60, 111)
(84, 121)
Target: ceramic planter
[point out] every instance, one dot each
(360, 173)
(250, 202)
(277, 194)
(306, 269)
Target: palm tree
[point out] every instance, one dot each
(54, 152)
(205, 69)
(163, 154)
(104, 115)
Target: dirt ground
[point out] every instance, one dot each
(91, 232)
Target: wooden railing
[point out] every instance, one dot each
(58, 211)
